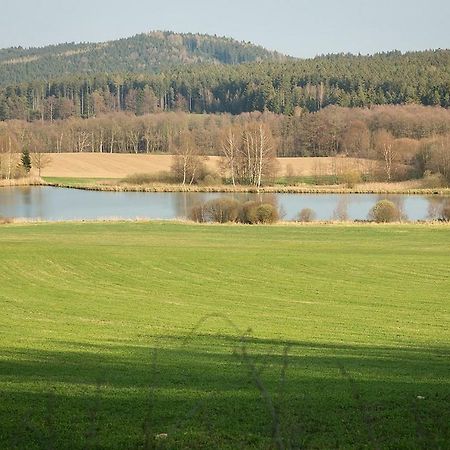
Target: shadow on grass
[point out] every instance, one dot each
(206, 391)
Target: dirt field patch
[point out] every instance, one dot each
(103, 165)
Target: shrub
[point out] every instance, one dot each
(306, 215)
(252, 212)
(385, 211)
(266, 213)
(148, 178)
(247, 213)
(222, 210)
(225, 210)
(197, 214)
(432, 180)
(211, 180)
(350, 179)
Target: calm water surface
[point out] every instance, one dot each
(51, 204)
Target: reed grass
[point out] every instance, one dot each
(370, 188)
(412, 187)
(27, 181)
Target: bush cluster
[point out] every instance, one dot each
(432, 180)
(202, 178)
(350, 178)
(210, 179)
(225, 210)
(148, 178)
(385, 211)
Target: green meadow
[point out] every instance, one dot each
(166, 335)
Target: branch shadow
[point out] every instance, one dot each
(207, 391)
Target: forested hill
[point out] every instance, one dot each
(149, 52)
(285, 87)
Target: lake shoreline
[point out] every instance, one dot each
(186, 222)
(368, 188)
(250, 189)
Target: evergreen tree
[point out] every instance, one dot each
(26, 160)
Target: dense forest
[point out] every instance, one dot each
(282, 87)
(143, 53)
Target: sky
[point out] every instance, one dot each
(302, 28)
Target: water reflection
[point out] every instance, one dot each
(49, 203)
(340, 213)
(439, 208)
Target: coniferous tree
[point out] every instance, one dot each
(26, 160)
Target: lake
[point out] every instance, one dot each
(54, 204)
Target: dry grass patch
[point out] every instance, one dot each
(106, 165)
(28, 181)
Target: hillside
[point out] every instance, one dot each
(149, 52)
(284, 87)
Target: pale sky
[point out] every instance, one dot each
(300, 28)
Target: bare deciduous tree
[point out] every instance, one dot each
(384, 144)
(9, 155)
(40, 160)
(187, 158)
(229, 151)
(251, 157)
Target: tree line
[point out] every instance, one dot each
(329, 132)
(405, 139)
(283, 87)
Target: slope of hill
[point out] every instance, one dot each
(149, 52)
(285, 87)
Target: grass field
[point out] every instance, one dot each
(114, 335)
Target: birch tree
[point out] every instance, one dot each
(255, 156)
(229, 151)
(384, 144)
(187, 158)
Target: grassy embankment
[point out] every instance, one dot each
(348, 348)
